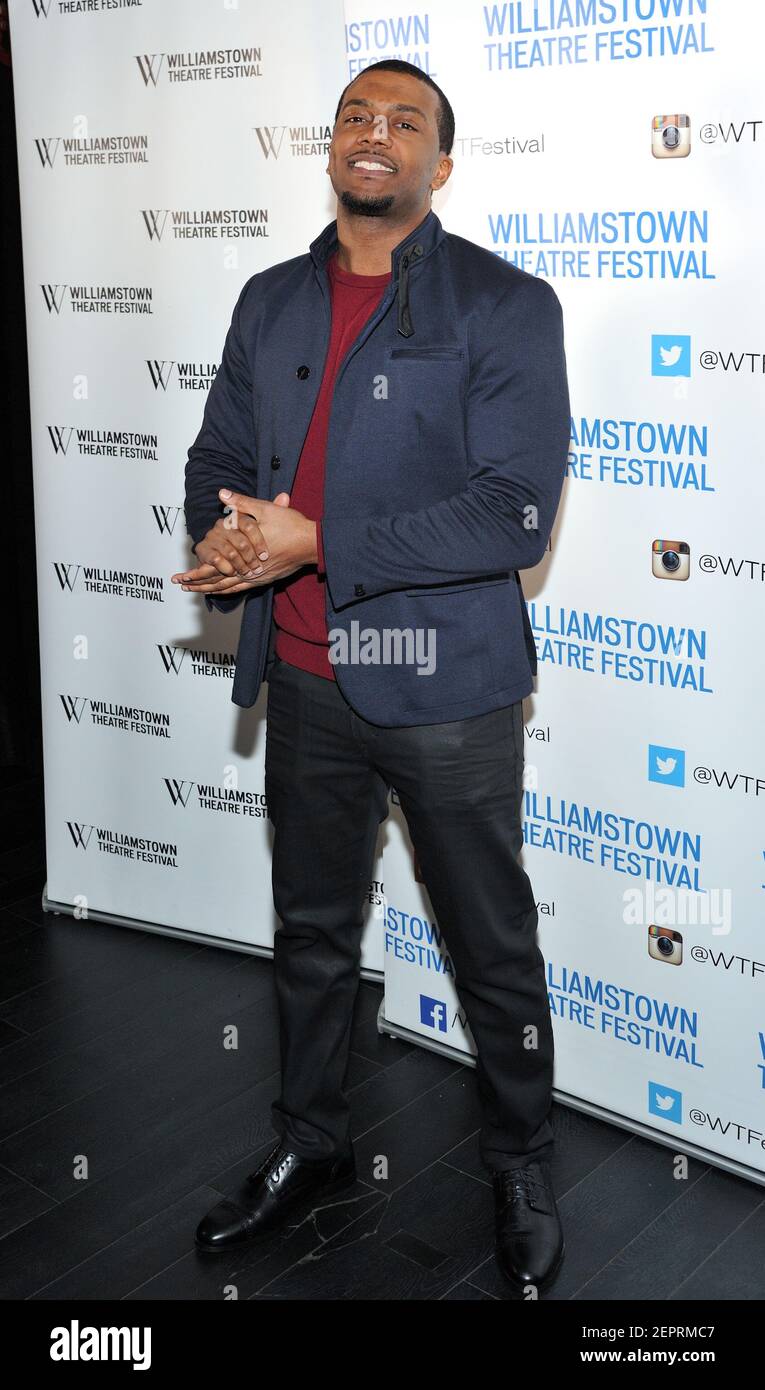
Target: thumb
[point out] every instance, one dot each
(282, 499)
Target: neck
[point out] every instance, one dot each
(365, 243)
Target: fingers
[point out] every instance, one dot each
(247, 535)
(233, 554)
(220, 586)
(247, 511)
(219, 561)
(240, 501)
(222, 558)
(200, 573)
(235, 545)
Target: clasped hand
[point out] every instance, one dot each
(255, 544)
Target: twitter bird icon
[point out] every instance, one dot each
(665, 1102)
(670, 354)
(666, 765)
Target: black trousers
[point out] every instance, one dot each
(460, 785)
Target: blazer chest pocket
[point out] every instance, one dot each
(428, 384)
(460, 586)
(426, 354)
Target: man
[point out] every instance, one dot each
(382, 449)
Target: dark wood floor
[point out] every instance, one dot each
(110, 1052)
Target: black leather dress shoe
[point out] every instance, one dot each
(530, 1245)
(271, 1194)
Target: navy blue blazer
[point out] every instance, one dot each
(446, 453)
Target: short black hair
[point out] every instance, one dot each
(445, 120)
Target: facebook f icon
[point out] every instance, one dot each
(433, 1013)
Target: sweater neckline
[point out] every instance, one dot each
(346, 277)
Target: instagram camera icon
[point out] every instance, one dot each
(670, 559)
(670, 137)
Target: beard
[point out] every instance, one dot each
(373, 206)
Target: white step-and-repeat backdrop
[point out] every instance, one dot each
(168, 150)
(615, 147)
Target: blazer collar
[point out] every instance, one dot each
(414, 247)
(427, 235)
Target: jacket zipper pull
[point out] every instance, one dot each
(405, 325)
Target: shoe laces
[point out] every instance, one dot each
(273, 1163)
(520, 1184)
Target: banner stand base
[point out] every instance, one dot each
(678, 1144)
(225, 943)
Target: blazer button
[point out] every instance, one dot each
(276, 461)
(359, 590)
(303, 372)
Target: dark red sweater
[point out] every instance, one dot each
(299, 600)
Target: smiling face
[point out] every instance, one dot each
(384, 157)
